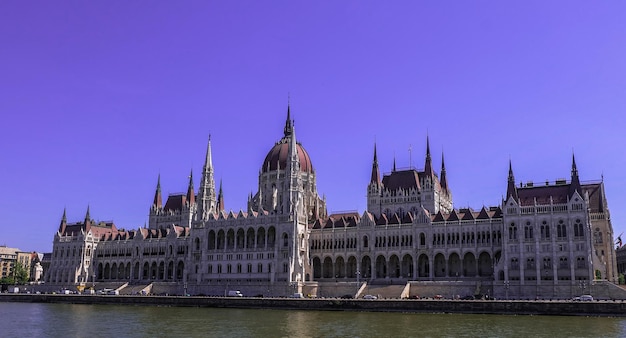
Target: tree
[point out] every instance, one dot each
(20, 274)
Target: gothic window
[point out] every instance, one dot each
(513, 232)
(561, 230)
(563, 263)
(580, 263)
(578, 229)
(547, 263)
(514, 264)
(545, 230)
(530, 263)
(528, 231)
(597, 237)
(285, 240)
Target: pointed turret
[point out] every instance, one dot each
(158, 199)
(375, 172)
(220, 199)
(293, 170)
(444, 179)
(191, 196)
(575, 184)
(288, 124)
(206, 191)
(394, 163)
(294, 160)
(63, 222)
(428, 165)
(511, 190)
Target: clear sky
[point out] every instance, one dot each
(98, 98)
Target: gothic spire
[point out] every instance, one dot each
(220, 198)
(191, 196)
(511, 190)
(444, 179)
(206, 191)
(63, 222)
(575, 184)
(158, 199)
(288, 126)
(428, 166)
(375, 171)
(87, 220)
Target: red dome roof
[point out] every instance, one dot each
(279, 154)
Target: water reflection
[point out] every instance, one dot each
(65, 320)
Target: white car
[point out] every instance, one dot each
(370, 297)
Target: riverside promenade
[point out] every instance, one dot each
(509, 307)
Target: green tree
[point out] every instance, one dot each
(620, 279)
(7, 280)
(20, 274)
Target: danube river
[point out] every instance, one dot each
(70, 320)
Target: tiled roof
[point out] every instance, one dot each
(542, 194)
(404, 179)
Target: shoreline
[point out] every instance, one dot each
(504, 307)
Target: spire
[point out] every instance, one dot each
(191, 196)
(428, 166)
(511, 190)
(394, 163)
(63, 222)
(444, 180)
(206, 191)
(158, 200)
(575, 184)
(375, 171)
(294, 159)
(87, 219)
(293, 169)
(220, 198)
(288, 126)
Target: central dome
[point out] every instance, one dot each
(278, 155)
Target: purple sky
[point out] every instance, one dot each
(100, 97)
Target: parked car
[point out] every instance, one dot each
(235, 293)
(297, 295)
(586, 298)
(370, 297)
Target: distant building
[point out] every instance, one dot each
(548, 240)
(8, 258)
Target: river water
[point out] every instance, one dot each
(70, 320)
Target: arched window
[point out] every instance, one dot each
(561, 230)
(513, 232)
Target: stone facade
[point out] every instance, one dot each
(542, 240)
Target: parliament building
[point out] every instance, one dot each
(548, 240)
